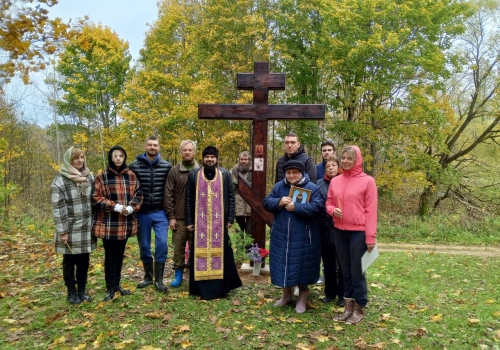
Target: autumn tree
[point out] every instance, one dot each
(465, 169)
(27, 34)
(94, 68)
(192, 54)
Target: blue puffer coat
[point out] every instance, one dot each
(295, 250)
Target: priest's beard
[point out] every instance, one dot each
(244, 168)
(209, 170)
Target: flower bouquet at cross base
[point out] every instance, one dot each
(257, 254)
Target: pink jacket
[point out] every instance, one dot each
(356, 194)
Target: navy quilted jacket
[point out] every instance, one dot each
(295, 250)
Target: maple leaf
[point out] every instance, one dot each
(124, 344)
(97, 343)
(59, 340)
(436, 318)
(322, 338)
(186, 344)
(183, 328)
(154, 315)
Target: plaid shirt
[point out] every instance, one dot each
(72, 214)
(111, 188)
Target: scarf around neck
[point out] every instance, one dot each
(69, 171)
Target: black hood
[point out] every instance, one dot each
(112, 165)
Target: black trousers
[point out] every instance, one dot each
(114, 251)
(81, 263)
(334, 281)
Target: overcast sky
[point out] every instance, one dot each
(128, 18)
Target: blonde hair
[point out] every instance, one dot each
(351, 152)
(75, 153)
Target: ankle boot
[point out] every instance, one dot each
(148, 275)
(73, 297)
(301, 306)
(357, 315)
(159, 270)
(178, 278)
(110, 294)
(122, 291)
(348, 310)
(83, 296)
(286, 297)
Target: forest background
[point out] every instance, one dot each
(414, 83)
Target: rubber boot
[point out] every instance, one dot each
(301, 306)
(83, 296)
(122, 291)
(178, 278)
(73, 297)
(348, 310)
(148, 275)
(357, 315)
(286, 297)
(159, 270)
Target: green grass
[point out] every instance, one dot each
(440, 229)
(417, 301)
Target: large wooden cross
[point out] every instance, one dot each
(261, 81)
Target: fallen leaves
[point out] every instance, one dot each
(473, 321)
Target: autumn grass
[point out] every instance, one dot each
(417, 301)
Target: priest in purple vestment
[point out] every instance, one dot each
(210, 211)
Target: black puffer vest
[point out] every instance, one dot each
(152, 177)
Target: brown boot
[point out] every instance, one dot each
(300, 308)
(357, 315)
(348, 310)
(285, 298)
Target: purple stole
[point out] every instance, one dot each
(209, 228)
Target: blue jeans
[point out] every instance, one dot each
(157, 221)
(350, 248)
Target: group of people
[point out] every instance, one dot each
(199, 203)
(346, 203)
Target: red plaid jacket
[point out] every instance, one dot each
(111, 188)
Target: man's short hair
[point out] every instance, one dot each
(292, 134)
(327, 143)
(186, 142)
(152, 138)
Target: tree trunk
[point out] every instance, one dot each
(424, 205)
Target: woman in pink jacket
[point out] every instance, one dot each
(352, 202)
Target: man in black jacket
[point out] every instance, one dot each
(294, 150)
(152, 172)
(209, 214)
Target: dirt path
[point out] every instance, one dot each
(437, 248)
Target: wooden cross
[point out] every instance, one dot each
(261, 81)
